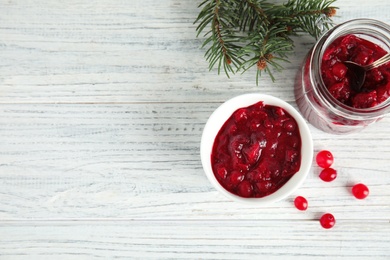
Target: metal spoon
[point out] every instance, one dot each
(358, 72)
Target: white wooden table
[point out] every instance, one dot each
(102, 106)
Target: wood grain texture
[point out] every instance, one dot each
(116, 51)
(102, 107)
(144, 160)
(172, 240)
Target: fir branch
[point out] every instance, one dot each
(306, 16)
(243, 33)
(252, 13)
(222, 18)
(266, 47)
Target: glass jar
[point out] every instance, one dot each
(313, 98)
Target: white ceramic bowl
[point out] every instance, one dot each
(221, 115)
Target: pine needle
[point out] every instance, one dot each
(240, 34)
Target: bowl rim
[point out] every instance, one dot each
(219, 117)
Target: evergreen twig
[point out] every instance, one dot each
(240, 34)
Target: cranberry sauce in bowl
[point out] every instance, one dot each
(256, 148)
(323, 87)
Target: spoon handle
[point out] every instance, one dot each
(377, 63)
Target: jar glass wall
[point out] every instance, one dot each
(315, 101)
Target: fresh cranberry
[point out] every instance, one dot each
(324, 159)
(360, 191)
(256, 151)
(328, 174)
(300, 203)
(327, 220)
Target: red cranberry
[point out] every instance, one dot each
(375, 75)
(300, 203)
(329, 53)
(240, 114)
(360, 191)
(324, 159)
(341, 91)
(254, 125)
(268, 124)
(365, 100)
(291, 155)
(362, 55)
(222, 172)
(350, 41)
(232, 129)
(289, 125)
(236, 177)
(279, 111)
(252, 152)
(327, 220)
(383, 93)
(328, 174)
(294, 141)
(361, 58)
(254, 176)
(245, 189)
(339, 70)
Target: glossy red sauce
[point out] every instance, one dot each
(257, 150)
(336, 76)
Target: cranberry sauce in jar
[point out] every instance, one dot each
(257, 150)
(323, 87)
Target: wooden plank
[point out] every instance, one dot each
(117, 52)
(142, 161)
(102, 106)
(228, 239)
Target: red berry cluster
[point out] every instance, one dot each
(324, 160)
